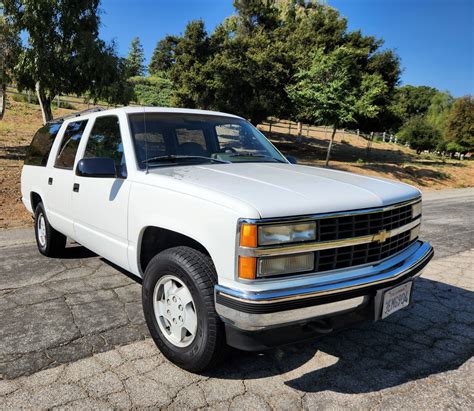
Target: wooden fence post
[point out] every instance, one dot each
(300, 132)
(289, 128)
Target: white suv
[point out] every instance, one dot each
(235, 244)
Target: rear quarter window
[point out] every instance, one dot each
(40, 147)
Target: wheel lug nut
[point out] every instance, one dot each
(168, 312)
(174, 299)
(174, 320)
(180, 307)
(180, 319)
(168, 301)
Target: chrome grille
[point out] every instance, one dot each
(360, 254)
(357, 225)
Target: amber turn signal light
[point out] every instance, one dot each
(247, 268)
(248, 235)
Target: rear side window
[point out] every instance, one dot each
(69, 144)
(40, 147)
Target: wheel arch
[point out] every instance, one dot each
(154, 239)
(35, 199)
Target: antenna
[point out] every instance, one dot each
(146, 140)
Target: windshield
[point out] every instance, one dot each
(169, 139)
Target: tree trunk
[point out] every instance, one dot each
(45, 104)
(330, 145)
(3, 99)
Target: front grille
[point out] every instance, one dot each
(360, 254)
(339, 228)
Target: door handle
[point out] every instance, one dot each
(50, 181)
(75, 187)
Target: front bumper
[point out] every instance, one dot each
(260, 311)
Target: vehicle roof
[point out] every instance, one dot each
(130, 110)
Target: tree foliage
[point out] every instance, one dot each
(413, 101)
(152, 91)
(438, 111)
(64, 54)
(250, 61)
(163, 57)
(419, 134)
(335, 91)
(9, 50)
(460, 124)
(135, 60)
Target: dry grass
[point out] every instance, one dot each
(385, 160)
(16, 130)
(349, 153)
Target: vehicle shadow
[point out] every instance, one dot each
(76, 251)
(434, 335)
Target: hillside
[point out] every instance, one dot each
(349, 154)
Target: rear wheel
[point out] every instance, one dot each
(178, 303)
(50, 242)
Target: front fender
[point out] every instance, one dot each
(212, 225)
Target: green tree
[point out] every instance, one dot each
(438, 111)
(188, 74)
(111, 80)
(152, 91)
(334, 90)
(460, 124)
(419, 134)
(163, 57)
(136, 58)
(413, 101)
(64, 54)
(247, 63)
(9, 51)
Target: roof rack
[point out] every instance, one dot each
(77, 114)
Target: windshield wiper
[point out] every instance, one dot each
(176, 157)
(255, 155)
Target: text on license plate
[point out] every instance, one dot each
(396, 299)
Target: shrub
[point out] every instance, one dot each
(419, 134)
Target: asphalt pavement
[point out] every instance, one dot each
(74, 323)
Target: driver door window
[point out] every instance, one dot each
(105, 140)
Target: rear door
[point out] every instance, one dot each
(100, 204)
(60, 177)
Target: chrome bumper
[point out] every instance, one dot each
(247, 310)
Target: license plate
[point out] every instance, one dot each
(396, 299)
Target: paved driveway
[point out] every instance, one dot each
(55, 312)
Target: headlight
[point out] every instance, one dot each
(297, 263)
(286, 233)
(416, 210)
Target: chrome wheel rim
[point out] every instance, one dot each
(175, 311)
(42, 230)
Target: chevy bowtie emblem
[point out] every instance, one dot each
(382, 236)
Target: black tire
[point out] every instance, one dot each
(197, 272)
(55, 242)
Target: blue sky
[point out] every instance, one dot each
(434, 38)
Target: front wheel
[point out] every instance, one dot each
(178, 303)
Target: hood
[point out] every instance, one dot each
(280, 190)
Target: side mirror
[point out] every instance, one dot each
(292, 159)
(99, 167)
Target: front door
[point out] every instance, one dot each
(100, 204)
